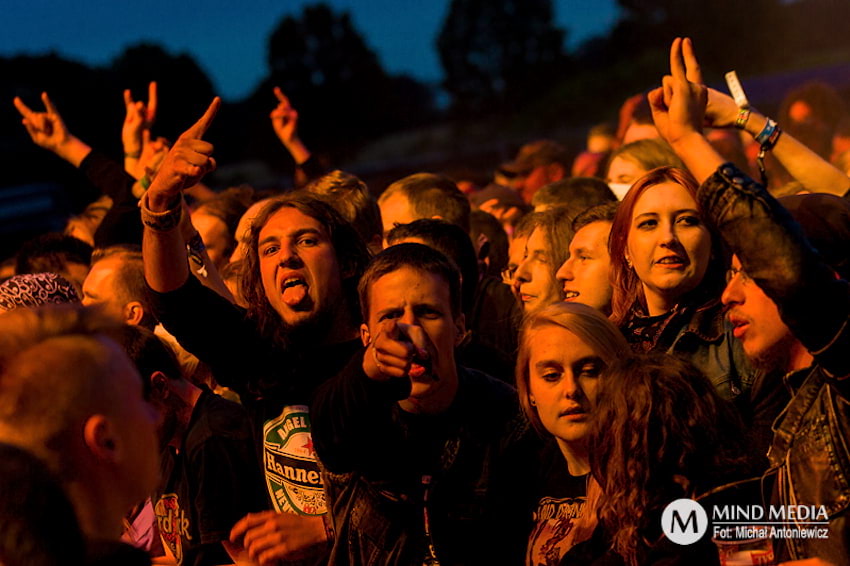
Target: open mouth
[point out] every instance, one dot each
(420, 367)
(672, 261)
(294, 290)
(568, 295)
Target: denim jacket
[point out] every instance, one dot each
(810, 455)
(701, 335)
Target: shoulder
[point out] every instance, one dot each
(217, 419)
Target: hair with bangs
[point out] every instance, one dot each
(587, 323)
(627, 287)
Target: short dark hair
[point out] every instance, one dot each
(351, 254)
(351, 198)
(599, 213)
(50, 253)
(481, 222)
(130, 278)
(148, 352)
(416, 256)
(432, 195)
(452, 242)
(576, 193)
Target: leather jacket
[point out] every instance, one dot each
(810, 455)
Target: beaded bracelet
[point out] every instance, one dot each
(743, 116)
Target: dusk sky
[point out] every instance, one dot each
(228, 39)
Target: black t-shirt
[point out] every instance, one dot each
(275, 386)
(561, 519)
(210, 484)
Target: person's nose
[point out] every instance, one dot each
(289, 257)
(565, 272)
(523, 272)
(733, 294)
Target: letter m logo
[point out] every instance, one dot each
(684, 521)
(676, 519)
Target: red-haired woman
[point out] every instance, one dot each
(667, 272)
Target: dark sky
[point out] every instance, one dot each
(228, 38)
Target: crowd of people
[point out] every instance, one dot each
(529, 372)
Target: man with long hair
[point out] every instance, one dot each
(299, 281)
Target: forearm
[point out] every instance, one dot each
(164, 250)
(700, 157)
(73, 150)
(347, 409)
(297, 150)
(810, 169)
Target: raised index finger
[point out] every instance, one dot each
(677, 66)
(692, 69)
(199, 128)
(280, 96)
(152, 101)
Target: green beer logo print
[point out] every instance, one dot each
(291, 470)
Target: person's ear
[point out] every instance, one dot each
(365, 336)
(134, 312)
(531, 400)
(460, 324)
(100, 438)
(159, 385)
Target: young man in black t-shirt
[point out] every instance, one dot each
(209, 474)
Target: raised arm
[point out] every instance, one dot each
(163, 247)
(48, 130)
(770, 245)
(138, 120)
(285, 124)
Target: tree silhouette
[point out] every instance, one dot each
(335, 81)
(499, 52)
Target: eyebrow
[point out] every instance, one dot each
(675, 213)
(593, 358)
(293, 236)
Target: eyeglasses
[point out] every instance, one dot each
(732, 272)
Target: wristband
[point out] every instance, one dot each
(769, 135)
(145, 181)
(196, 243)
(195, 247)
(743, 116)
(133, 155)
(161, 221)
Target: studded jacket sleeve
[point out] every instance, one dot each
(812, 301)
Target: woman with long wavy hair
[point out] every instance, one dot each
(659, 432)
